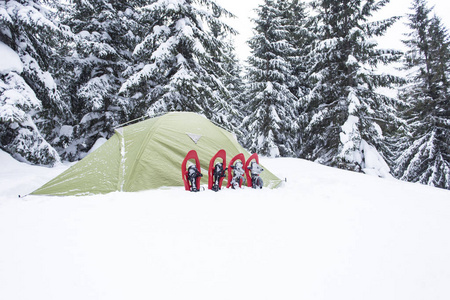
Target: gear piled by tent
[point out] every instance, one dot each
(147, 155)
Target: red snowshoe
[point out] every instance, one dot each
(191, 176)
(236, 165)
(216, 172)
(252, 171)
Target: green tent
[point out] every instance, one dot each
(148, 155)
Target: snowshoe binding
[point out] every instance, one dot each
(252, 171)
(255, 170)
(216, 172)
(237, 166)
(191, 176)
(219, 175)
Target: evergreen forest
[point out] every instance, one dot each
(73, 71)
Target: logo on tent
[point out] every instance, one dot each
(194, 137)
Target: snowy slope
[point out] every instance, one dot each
(327, 234)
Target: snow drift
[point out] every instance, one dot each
(327, 234)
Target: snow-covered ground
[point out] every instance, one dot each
(327, 234)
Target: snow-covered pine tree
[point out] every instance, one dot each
(228, 116)
(29, 98)
(425, 155)
(177, 65)
(346, 113)
(271, 107)
(105, 34)
(301, 37)
(233, 81)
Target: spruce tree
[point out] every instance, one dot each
(234, 84)
(345, 113)
(29, 97)
(227, 112)
(179, 63)
(271, 109)
(424, 154)
(104, 35)
(300, 36)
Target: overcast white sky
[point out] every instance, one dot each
(243, 9)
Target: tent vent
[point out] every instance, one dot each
(194, 137)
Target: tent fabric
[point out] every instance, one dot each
(148, 155)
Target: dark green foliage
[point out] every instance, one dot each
(310, 90)
(182, 61)
(345, 114)
(104, 35)
(424, 154)
(29, 99)
(272, 107)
